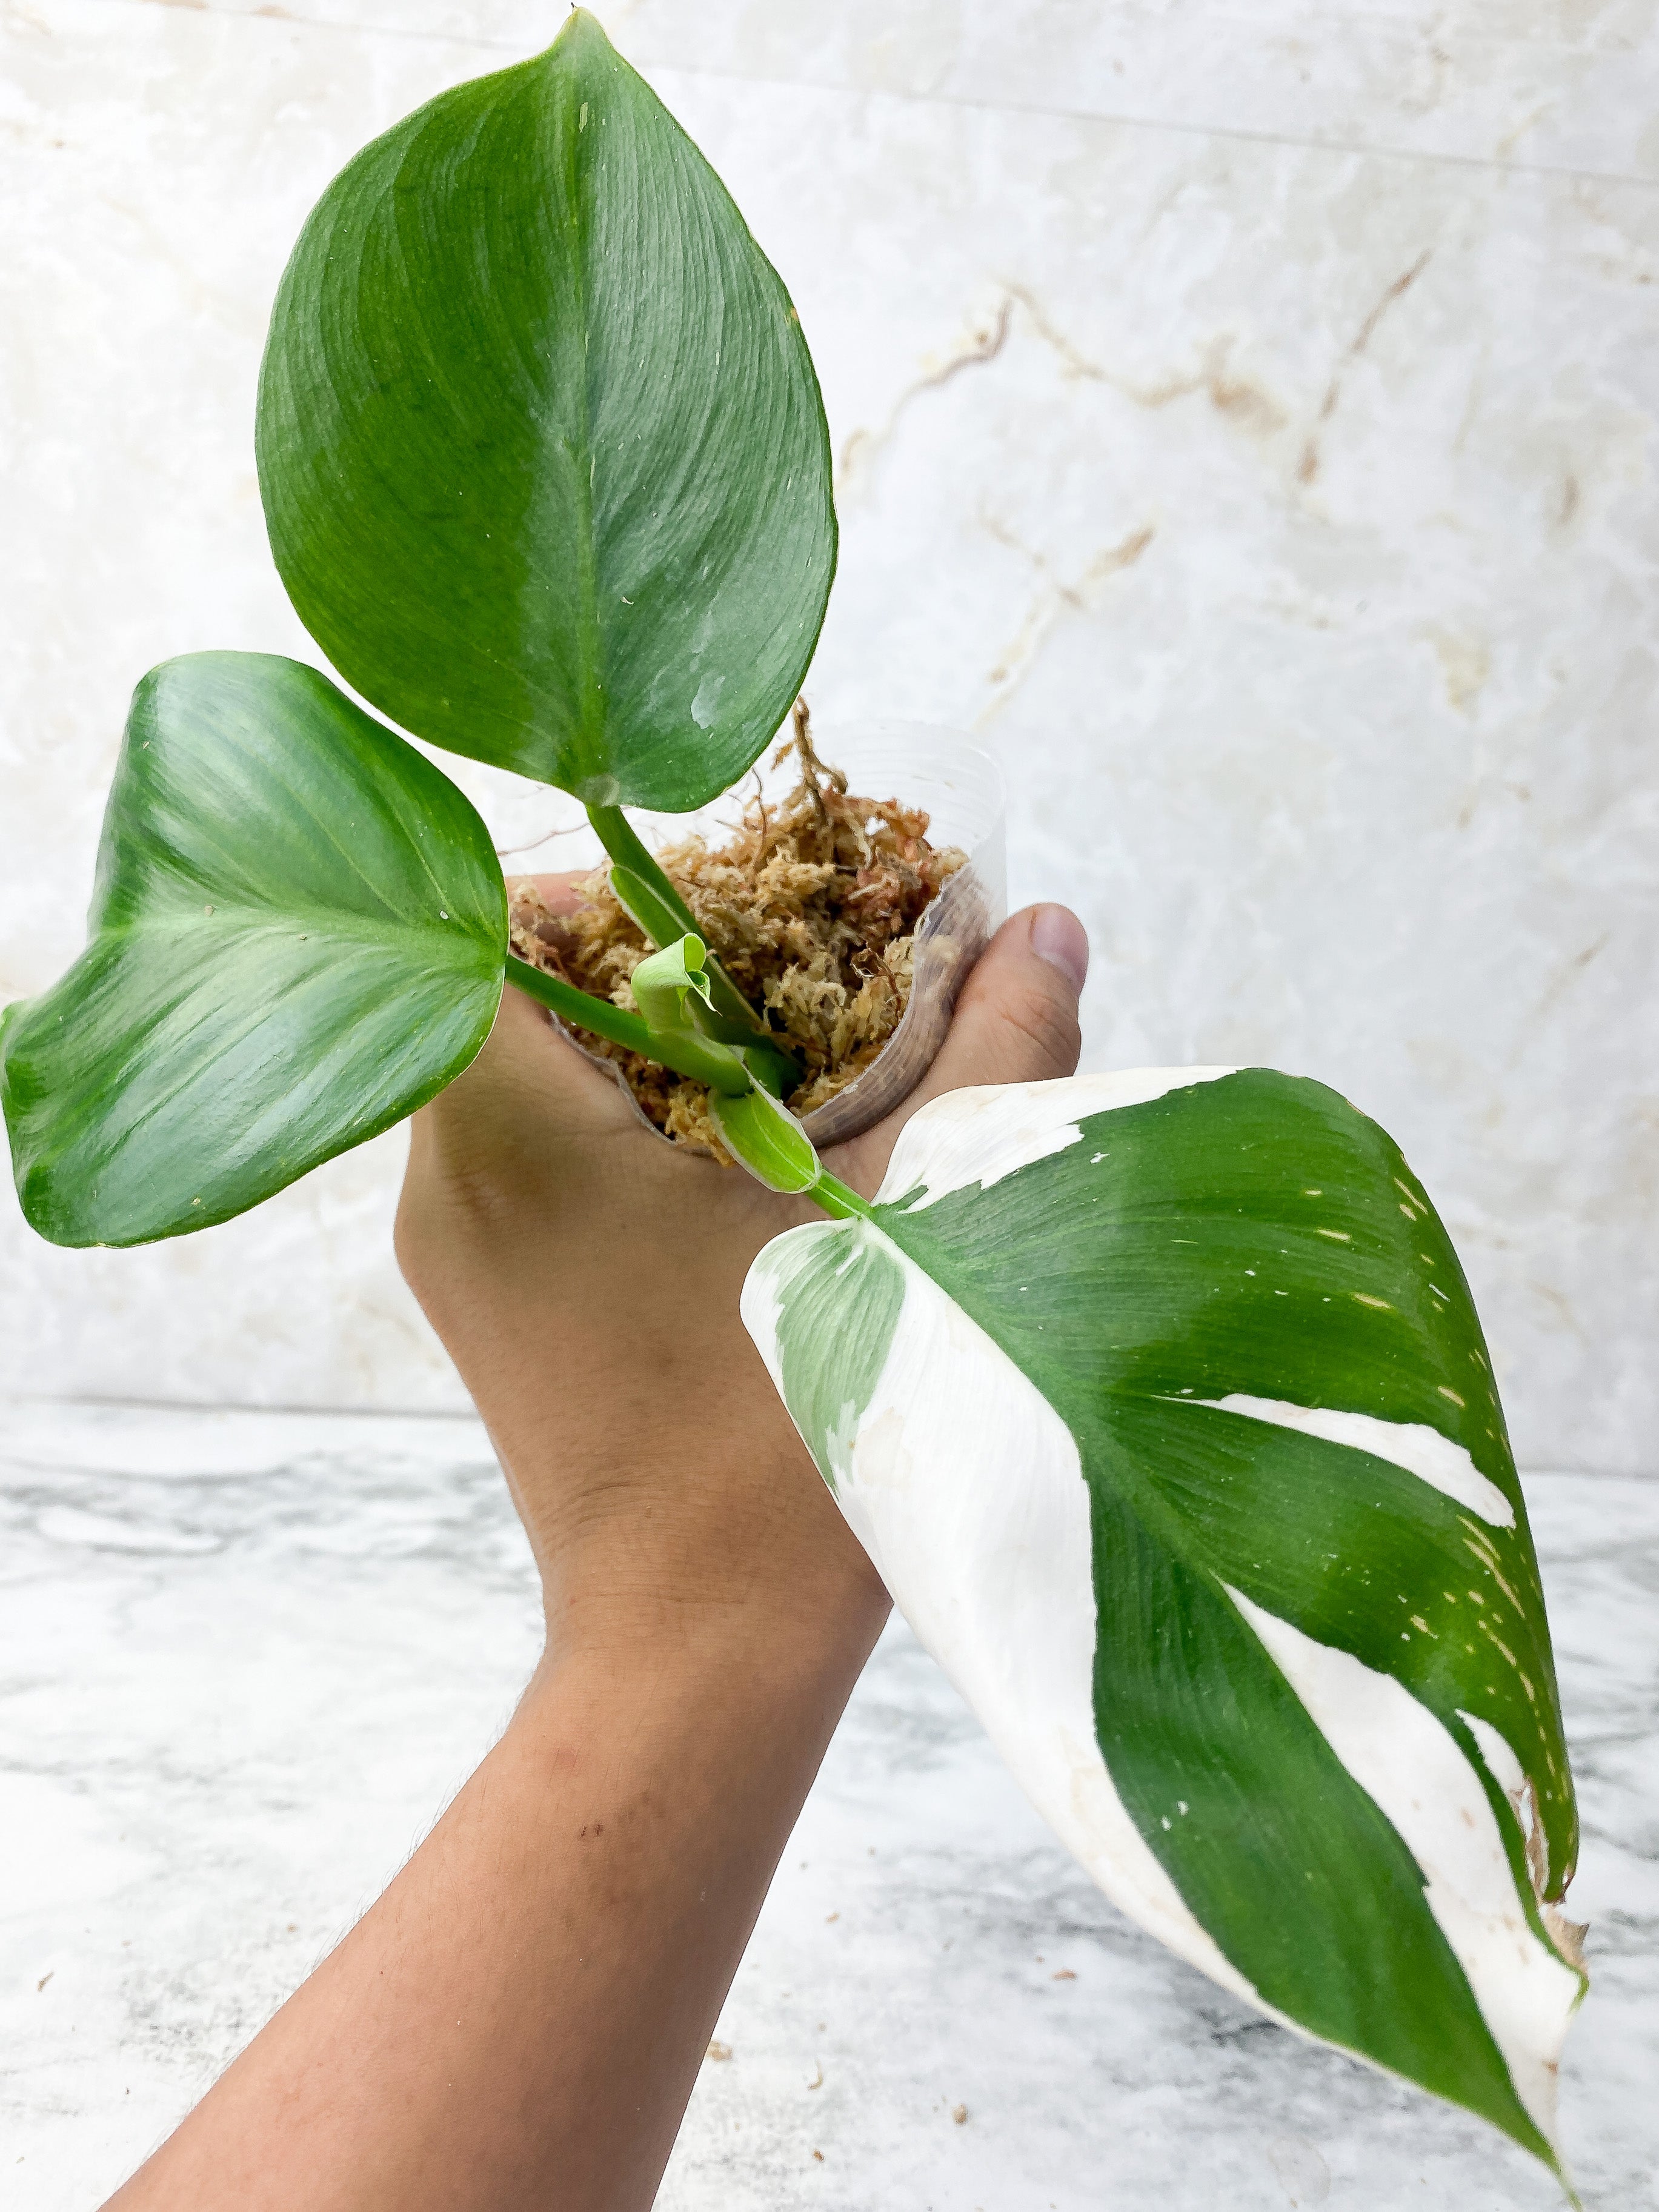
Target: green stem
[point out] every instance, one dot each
(755, 1134)
(840, 1203)
(686, 1054)
(664, 915)
(620, 839)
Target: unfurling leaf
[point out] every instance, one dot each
(297, 937)
(664, 980)
(1160, 1403)
(543, 460)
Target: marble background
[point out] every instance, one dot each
(1245, 424)
(245, 1659)
(1245, 420)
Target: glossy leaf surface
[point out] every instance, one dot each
(542, 456)
(297, 938)
(1161, 1404)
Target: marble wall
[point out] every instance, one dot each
(1245, 423)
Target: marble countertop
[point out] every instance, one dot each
(245, 1658)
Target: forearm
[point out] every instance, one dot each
(518, 2022)
(519, 2019)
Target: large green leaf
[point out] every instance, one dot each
(1160, 1404)
(297, 936)
(542, 456)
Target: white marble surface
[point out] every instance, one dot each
(1531, 85)
(245, 1659)
(1246, 419)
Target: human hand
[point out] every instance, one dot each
(585, 1278)
(521, 2017)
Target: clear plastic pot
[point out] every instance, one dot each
(961, 788)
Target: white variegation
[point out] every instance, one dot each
(760, 1310)
(963, 1486)
(1418, 1450)
(966, 1488)
(1503, 1762)
(1412, 1766)
(980, 1136)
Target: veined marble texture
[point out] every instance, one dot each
(245, 1658)
(1245, 421)
(1535, 81)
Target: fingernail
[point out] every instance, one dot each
(1059, 937)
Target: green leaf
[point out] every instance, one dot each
(663, 981)
(1160, 1402)
(297, 937)
(542, 456)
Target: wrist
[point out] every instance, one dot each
(679, 1586)
(716, 1523)
(741, 1662)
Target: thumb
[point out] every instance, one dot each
(1016, 1021)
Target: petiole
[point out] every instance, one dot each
(686, 1053)
(645, 892)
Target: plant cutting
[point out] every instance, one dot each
(1159, 1400)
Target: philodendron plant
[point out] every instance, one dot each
(1158, 1399)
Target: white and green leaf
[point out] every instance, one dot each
(1160, 1403)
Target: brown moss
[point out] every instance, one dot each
(811, 908)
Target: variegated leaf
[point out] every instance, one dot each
(1160, 1403)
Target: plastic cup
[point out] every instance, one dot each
(961, 787)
